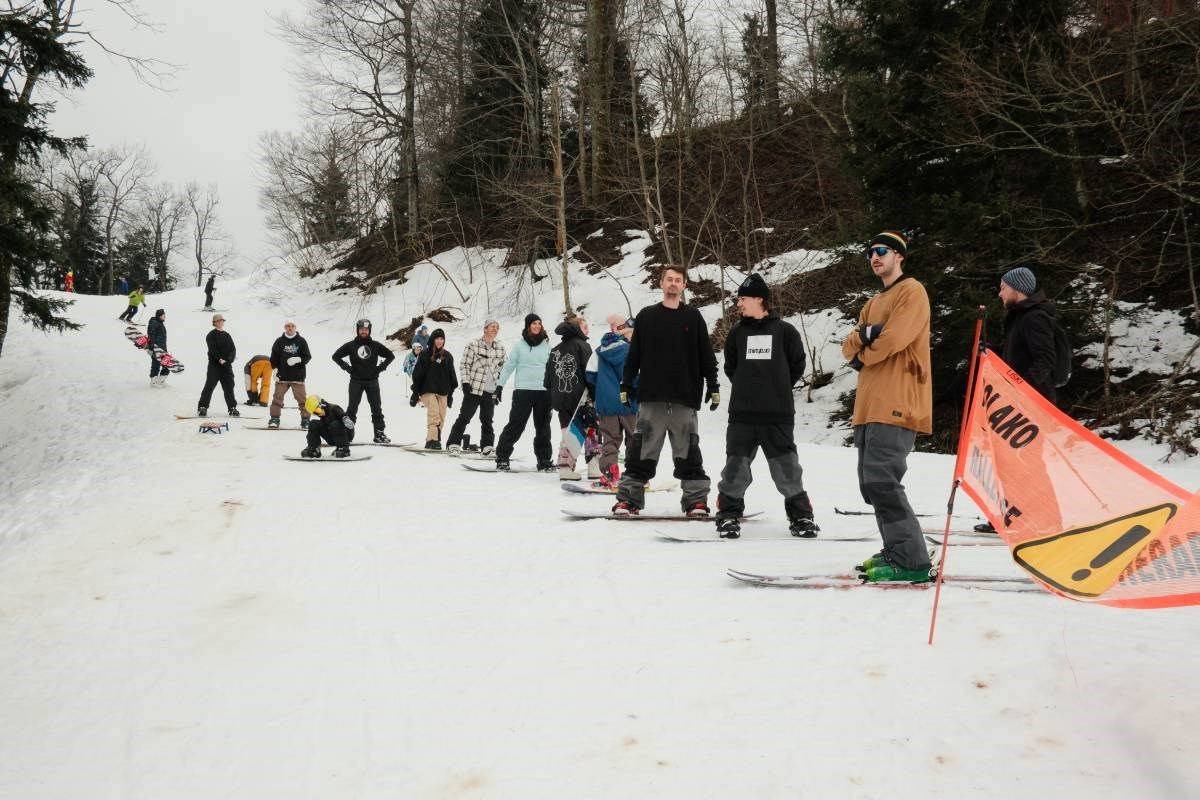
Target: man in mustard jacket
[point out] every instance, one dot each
(894, 402)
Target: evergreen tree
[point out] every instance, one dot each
(753, 69)
(327, 216)
(31, 50)
(134, 257)
(82, 244)
(498, 134)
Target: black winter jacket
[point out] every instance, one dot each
(364, 355)
(220, 346)
(156, 329)
(285, 348)
(565, 368)
(332, 422)
(673, 356)
(1029, 342)
(764, 358)
(434, 377)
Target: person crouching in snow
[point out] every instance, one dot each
(258, 380)
(330, 424)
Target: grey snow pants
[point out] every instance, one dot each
(656, 422)
(882, 461)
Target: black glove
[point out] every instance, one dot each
(450, 400)
(869, 333)
(499, 392)
(855, 364)
(412, 401)
(466, 387)
(345, 368)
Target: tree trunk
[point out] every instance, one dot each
(772, 65)
(412, 182)
(560, 193)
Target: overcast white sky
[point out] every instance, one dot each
(234, 83)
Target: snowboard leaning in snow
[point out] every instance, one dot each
(328, 458)
(713, 537)
(681, 517)
(988, 582)
(141, 340)
(582, 487)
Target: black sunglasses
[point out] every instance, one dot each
(879, 250)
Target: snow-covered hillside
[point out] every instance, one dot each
(184, 615)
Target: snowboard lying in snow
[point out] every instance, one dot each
(681, 517)
(328, 458)
(582, 487)
(713, 537)
(989, 582)
(213, 414)
(512, 471)
(465, 455)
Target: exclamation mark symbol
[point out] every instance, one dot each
(1127, 540)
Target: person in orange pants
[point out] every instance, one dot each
(258, 381)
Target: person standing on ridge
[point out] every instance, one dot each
(672, 358)
(208, 292)
(434, 381)
(893, 403)
(156, 331)
(365, 360)
(482, 361)
(764, 359)
(527, 359)
(289, 357)
(221, 353)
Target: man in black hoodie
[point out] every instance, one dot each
(367, 360)
(289, 357)
(672, 357)
(764, 358)
(221, 353)
(566, 383)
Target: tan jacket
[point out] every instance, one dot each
(894, 385)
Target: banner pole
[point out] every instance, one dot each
(976, 349)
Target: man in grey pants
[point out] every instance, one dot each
(889, 347)
(672, 358)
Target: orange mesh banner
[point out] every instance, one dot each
(1080, 516)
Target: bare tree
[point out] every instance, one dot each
(123, 171)
(164, 212)
(211, 247)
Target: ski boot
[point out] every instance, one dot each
(984, 527)
(433, 444)
(568, 474)
(380, 438)
(888, 572)
(804, 527)
(593, 469)
(874, 561)
(502, 465)
(623, 508)
(310, 452)
(201, 411)
(233, 412)
(546, 466)
(273, 422)
(341, 452)
(729, 527)
(454, 448)
(486, 450)
(697, 510)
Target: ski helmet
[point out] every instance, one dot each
(362, 323)
(312, 403)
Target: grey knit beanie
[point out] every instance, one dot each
(1021, 279)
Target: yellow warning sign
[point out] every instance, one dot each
(1086, 561)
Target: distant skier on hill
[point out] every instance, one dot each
(136, 298)
(209, 288)
(365, 360)
(329, 424)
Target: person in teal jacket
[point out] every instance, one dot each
(527, 360)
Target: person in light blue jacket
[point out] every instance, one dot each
(527, 360)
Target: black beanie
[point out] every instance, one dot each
(892, 239)
(438, 333)
(754, 286)
(530, 319)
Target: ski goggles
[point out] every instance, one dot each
(878, 250)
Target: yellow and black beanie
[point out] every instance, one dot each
(892, 239)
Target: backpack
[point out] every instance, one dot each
(1062, 354)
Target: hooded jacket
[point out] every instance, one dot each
(565, 368)
(364, 355)
(764, 358)
(156, 329)
(434, 377)
(1029, 342)
(288, 347)
(604, 372)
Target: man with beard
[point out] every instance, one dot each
(365, 360)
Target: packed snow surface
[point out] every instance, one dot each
(188, 615)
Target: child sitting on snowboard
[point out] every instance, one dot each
(329, 422)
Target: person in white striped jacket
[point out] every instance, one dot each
(480, 367)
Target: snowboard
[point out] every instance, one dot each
(510, 471)
(327, 458)
(269, 428)
(966, 542)
(141, 340)
(465, 455)
(582, 437)
(214, 414)
(987, 582)
(650, 517)
(676, 537)
(582, 487)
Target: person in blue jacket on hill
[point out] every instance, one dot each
(616, 419)
(527, 358)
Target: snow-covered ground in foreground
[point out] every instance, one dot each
(191, 616)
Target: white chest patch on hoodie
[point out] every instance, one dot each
(758, 347)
